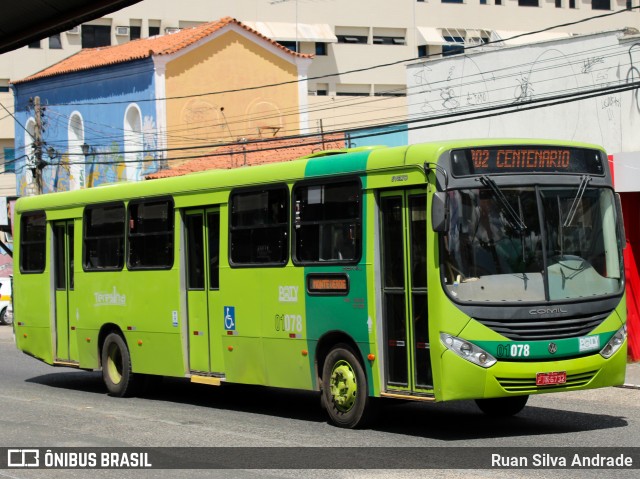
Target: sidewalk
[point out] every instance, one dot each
(633, 376)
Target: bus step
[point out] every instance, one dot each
(408, 396)
(66, 363)
(210, 380)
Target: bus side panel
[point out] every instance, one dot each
(239, 321)
(150, 327)
(32, 315)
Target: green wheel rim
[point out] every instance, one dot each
(344, 386)
(114, 364)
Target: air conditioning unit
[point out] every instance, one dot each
(171, 30)
(74, 31)
(122, 31)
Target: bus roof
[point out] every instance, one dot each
(335, 162)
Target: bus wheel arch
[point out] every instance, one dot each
(343, 380)
(115, 359)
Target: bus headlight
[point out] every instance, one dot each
(467, 350)
(614, 343)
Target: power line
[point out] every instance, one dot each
(357, 70)
(469, 80)
(447, 119)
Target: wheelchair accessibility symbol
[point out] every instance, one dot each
(230, 318)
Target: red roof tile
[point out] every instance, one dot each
(89, 58)
(255, 153)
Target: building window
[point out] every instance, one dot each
(352, 39)
(55, 42)
(423, 50)
(327, 222)
(498, 2)
(456, 47)
(452, 1)
(32, 242)
(75, 135)
(104, 237)
(601, 4)
(572, 3)
(527, 3)
(134, 33)
(380, 40)
(96, 36)
(153, 31)
(293, 46)
(9, 160)
(558, 3)
(150, 234)
(35, 44)
(133, 142)
(321, 49)
(259, 227)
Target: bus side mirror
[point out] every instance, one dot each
(620, 221)
(440, 212)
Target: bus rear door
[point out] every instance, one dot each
(404, 291)
(204, 309)
(66, 343)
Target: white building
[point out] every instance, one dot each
(345, 36)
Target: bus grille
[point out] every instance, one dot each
(536, 329)
(520, 385)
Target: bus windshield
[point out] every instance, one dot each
(531, 244)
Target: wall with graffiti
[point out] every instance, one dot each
(497, 89)
(583, 88)
(98, 126)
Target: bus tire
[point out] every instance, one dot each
(344, 388)
(502, 407)
(116, 366)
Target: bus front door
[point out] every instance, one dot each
(204, 311)
(404, 291)
(66, 342)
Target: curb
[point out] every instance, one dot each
(629, 386)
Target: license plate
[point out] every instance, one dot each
(548, 379)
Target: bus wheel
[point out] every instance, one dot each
(344, 388)
(502, 407)
(116, 366)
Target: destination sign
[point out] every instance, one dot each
(526, 159)
(330, 283)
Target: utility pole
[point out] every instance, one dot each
(37, 146)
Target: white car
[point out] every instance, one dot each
(5, 301)
(7, 314)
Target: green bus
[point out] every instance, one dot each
(486, 269)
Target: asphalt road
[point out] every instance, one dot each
(42, 406)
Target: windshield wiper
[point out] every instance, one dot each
(584, 181)
(513, 218)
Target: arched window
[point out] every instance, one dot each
(133, 142)
(76, 157)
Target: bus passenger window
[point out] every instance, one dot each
(104, 237)
(327, 222)
(32, 243)
(259, 227)
(150, 235)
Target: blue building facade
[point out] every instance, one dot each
(97, 126)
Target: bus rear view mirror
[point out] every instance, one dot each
(439, 212)
(620, 221)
